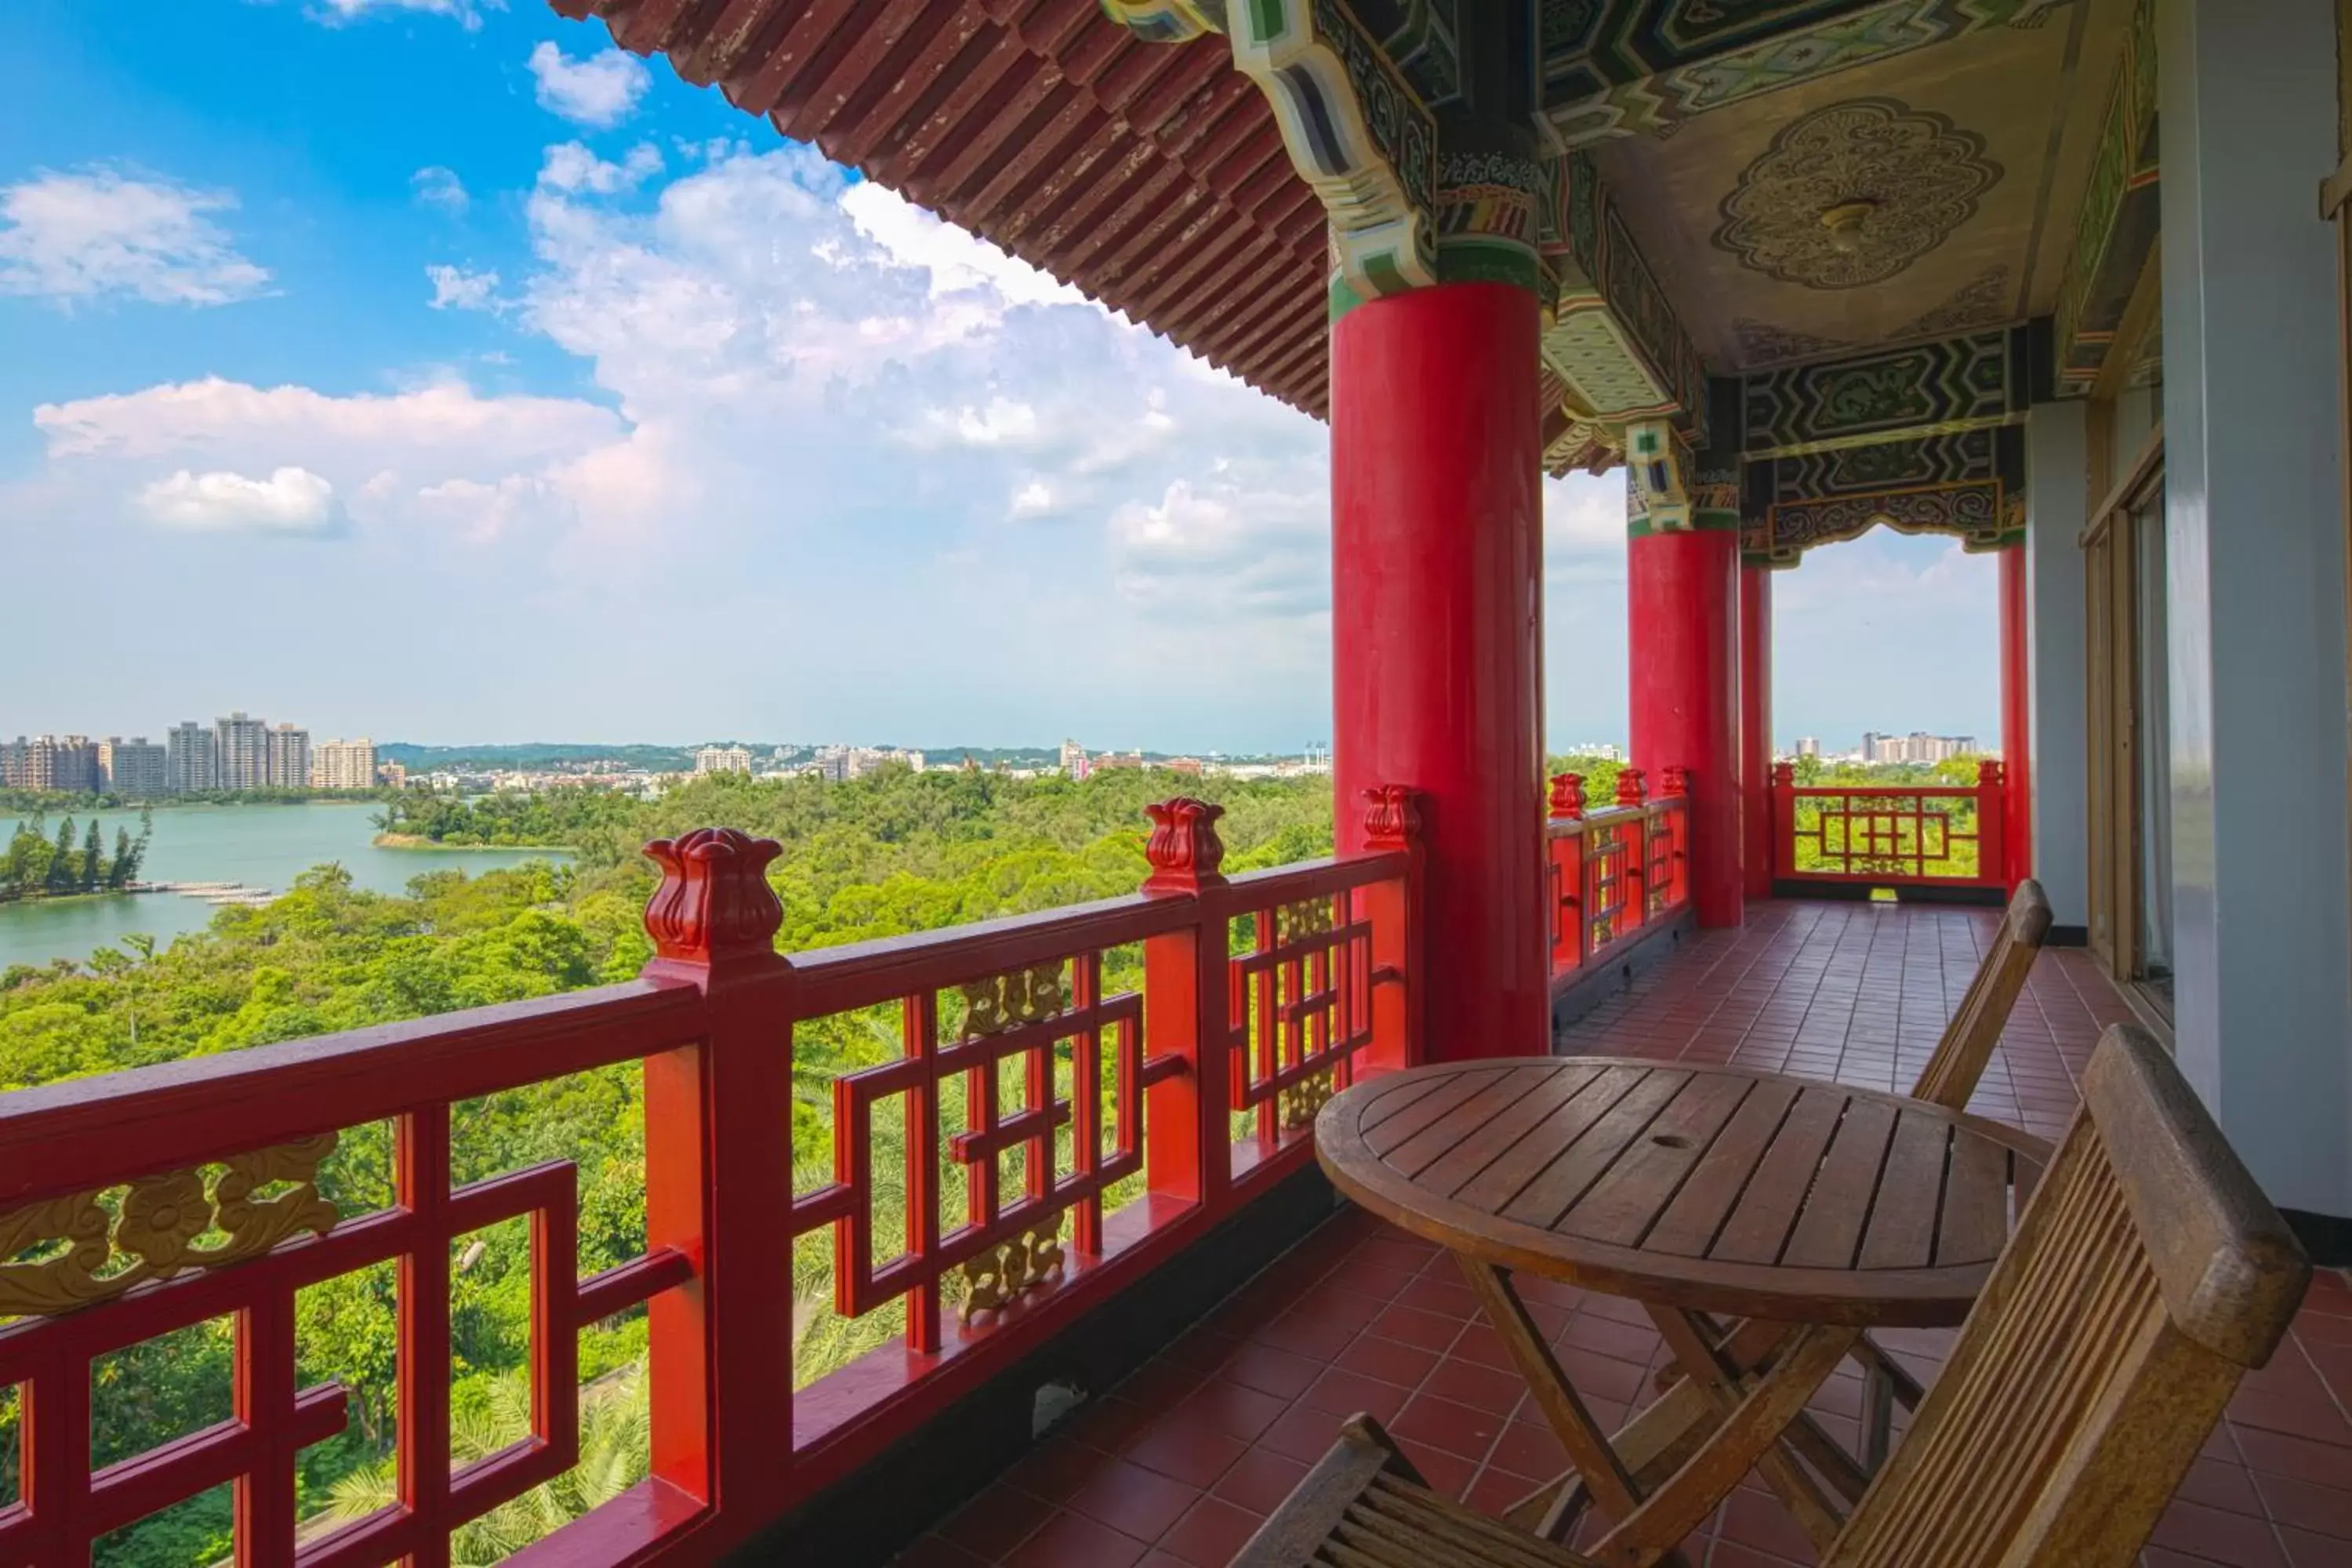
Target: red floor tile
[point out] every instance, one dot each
(1132, 1500)
(1404, 1366)
(995, 1521)
(1073, 1541)
(1185, 1445)
(1260, 1479)
(1210, 1533)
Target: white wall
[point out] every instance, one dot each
(2057, 485)
(2253, 536)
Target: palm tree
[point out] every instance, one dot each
(615, 1429)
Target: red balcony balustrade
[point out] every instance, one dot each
(1616, 873)
(1921, 836)
(1089, 1131)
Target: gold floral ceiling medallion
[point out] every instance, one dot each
(1853, 194)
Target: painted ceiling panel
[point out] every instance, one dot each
(1913, 197)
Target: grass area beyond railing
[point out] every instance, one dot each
(1921, 835)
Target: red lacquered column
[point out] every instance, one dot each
(2016, 717)
(1682, 610)
(1756, 730)
(1437, 548)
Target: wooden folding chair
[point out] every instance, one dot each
(1950, 1079)
(1952, 1073)
(2147, 1275)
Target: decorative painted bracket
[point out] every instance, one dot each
(1356, 131)
(1655, 498)
(1167, 21)
(1611, 337)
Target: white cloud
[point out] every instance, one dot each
(215, 415)
(1219, 551)
(804, 384)
(468, 14)
(956, 259)
(572, 168)
(459, 288)
(438, 187)
(1584, 529)
(99, 233)
(290, 500)
(599, 90)
(1035, 498)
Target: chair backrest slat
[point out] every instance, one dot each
(2146, 1276)
(1967, 1046)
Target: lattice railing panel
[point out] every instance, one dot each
(1302, 1008)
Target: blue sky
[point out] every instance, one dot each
(429, 369)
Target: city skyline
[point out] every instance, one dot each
(583, 362)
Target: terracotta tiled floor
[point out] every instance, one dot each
(1179, 1463)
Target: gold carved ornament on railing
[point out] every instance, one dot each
(992, 1005)
(1308, 916)
(999, 1277)
(1298, 1105)
(1017, 998)
(155, 1227)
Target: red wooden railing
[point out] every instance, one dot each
(1102, 1132)
(1617, 872)
(1948, 836)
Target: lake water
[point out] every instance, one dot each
(260, 846)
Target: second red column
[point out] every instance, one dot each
(1683, 618)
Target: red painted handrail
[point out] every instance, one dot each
(1618, 873)
(1891, 835)
(1319, 993)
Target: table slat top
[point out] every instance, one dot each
(1713, 1188)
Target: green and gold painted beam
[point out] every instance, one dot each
(1354, 86)
(1924, 438)
(1631, 67)
(2117, 229)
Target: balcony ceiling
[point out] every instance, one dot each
(1959, 166)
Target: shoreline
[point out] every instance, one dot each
(28, 902)
(418, 841)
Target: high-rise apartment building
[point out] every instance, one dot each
(15, 762)
(67, 764)
(288, 753)
(722, 759)
(241, 752)
(1918, 746)
(1809, 745)
(192, 758)
(343, 764)
(1074, 760)
(136, 769)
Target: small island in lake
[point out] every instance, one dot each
(70, 865)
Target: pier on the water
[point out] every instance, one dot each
(215, 893)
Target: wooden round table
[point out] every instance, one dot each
(1812, 1210)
